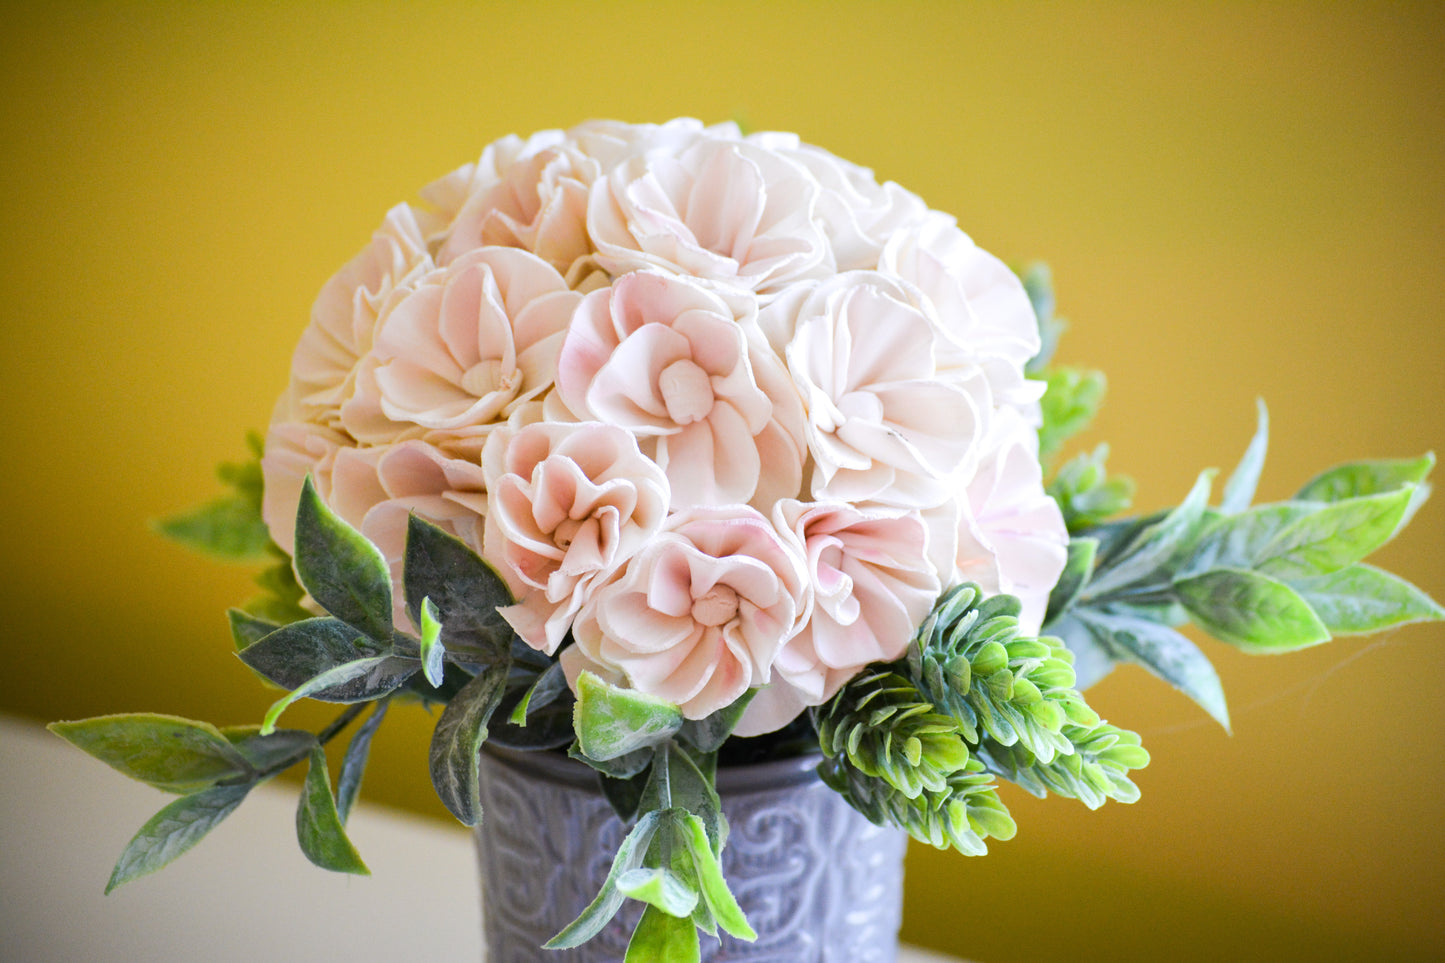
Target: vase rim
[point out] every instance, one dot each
(751, 777)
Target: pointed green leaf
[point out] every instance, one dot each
(708, 734)
(1145, 557)
(432, 650)
(465, 590)
(689, 831)
(458, 738)
(318, 826)
(345, 573)
(663, 938)
(540, 694)
(1239, 540)
(167, 752)
(1069, 403)
(174, 830)
(611, 721)
(359, 681)
(630, 854)
(1362, 598)
(1335, 535)
(228, 528)
(353, 764)
(248, 629)
(1356, 478)
(1165, 653)
(661, 888)
(1239, 489)
(1250, 610)
(281, 749)
(1078, 567)
(300, 651)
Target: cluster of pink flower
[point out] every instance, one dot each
(723, 407)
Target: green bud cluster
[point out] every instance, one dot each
(961, 814)
(1097, 769)
(970, 661)
(887, 732)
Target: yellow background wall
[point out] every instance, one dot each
(1236, 199)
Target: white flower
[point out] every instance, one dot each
(461, 350)
(722, 211)
(667, 360)
(884, 423)
(698, 615)
(568, 504)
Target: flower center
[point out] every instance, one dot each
(486, 377)
(686, 391)
(565, 532)
(717, 605)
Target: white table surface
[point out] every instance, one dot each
(245, 893)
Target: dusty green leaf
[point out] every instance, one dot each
(1362, 598)
(1335, 535)
(345, 573)
(690, 832)
(661, 937)
(1239, 489)
(360, 681)
(612, 722)
(1078, 567)
(171, 832)
(465, 590)
(1250, 610)
(168, 752)
(318, 825)
(300, 651)
(432, 650)
(1357, 478)
(353, 764)
(282, 748)
(609, 899)
(227, 528)
(1166, 654)
(458, 738)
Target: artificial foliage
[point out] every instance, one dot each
(496, 605)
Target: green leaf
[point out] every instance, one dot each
(690, 832)
(1069, 404)
(345, 573)
(661, 888)
(1085, 493)
(353, 764)
(1250, 610)
(248, 629)
(1335, 535)
(1146, 556)
(432, 650)
(611, 721)
(678, 782)
(624, 795)
(1356, 478)
(1239, 541)
(359, 681)
(609, 899)
(663, 938)
(1239, 489)
(318, 826)
(167, 752)
(281, 749)
(458, 738)
(300, 651)
(1078, 567)
(708, 734)
(1361, 598)
(174, 830)
(465, 590)
(228, 528)
(281, 595)
(540, 694)
(1166, 654)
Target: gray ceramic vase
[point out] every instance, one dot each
(818, 882)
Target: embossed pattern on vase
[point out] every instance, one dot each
(818, 882)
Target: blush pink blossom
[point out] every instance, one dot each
(568, 504)
(667, 360)
(872, 585)
(697, 617)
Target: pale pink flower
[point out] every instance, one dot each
(885, 424)
(981, 305)
(667, 360)
(610, 142)
(568, 504)
(461, 350)
(1004, 532)
(872, 585)
(722, 211)
(858, 215)
(343, 319)
(294, 449)
(534, 197)
(697, 617)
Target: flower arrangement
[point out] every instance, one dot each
(655, 443)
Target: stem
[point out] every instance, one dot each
(324, 736)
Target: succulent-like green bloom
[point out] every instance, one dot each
(1097, 770)
(886, 731)
(972, 663)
